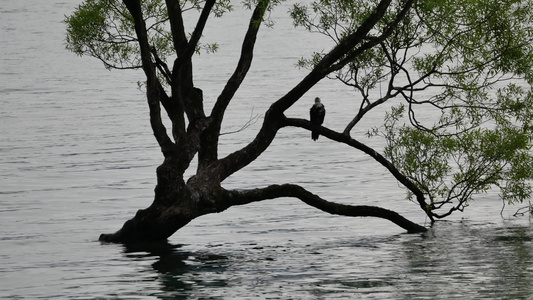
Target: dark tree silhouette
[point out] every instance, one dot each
(376, 42)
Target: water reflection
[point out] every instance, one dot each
(180, 273)
(458, 260)
(454, 260)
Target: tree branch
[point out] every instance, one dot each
(346, 139)
(153, 92)
(245, 61)
(230, 164)
(187, 96)
(221, 169)
(162, 66)
(334, 59)
(199, 29)
(209, 149)
(179, 37)
(188, 99)
(296, 191)
(377, 40)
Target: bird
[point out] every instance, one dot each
(317, 114)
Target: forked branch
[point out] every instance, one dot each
(239, 159)
(209, 150)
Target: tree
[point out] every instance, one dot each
(470, 62)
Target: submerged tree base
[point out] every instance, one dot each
(144, 229)
(160, 220)
(147, 230)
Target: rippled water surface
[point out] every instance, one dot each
(77, 159)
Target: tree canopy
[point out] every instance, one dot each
(462, 70)
(455, 77)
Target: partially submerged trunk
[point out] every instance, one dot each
(174, 206)
(177, 203)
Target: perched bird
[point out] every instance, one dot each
(317, 114)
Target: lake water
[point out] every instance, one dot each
(77, 159)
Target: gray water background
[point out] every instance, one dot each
(77, 158)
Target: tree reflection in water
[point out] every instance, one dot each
(454, 260)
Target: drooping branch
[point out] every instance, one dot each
(296, 191)
(346, 139)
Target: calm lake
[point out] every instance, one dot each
(77, 158)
